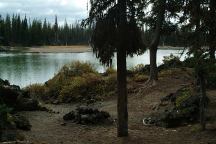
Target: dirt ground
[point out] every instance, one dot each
(47, 128)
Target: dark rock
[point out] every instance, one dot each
(22, 122)
(9, 95)
(86, 115)
(176, 109)
(63, 124)
(69, 116)
(26, 104)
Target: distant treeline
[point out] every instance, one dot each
(17, 31)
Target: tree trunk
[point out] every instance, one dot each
(202, 100)
(154, 44)
(122, 93)
(122, 128)
(153, 64)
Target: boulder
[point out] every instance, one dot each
(9, 93)
(88, 115)
(22, 122)
(27, 104)
(176, 109)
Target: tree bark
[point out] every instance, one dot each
(202, 101)
(122, 128)
(122, 93)
(154, 44)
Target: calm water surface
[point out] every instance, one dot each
(28, 68)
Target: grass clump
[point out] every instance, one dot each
(185, 94)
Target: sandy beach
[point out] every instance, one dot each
(53, 49)
(65, 49)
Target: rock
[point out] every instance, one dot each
(9, 94)
(63, 124)
(176, 109)
(56, 102)
(26, 104)
(22, 122)
(69, 116)
(86, 115)
(18, 99)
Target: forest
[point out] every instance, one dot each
(15, 31)
(172, 102)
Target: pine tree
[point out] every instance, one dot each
(116, 28)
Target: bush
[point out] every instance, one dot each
(77, 69)
(141, 69)
(171, 61)
(36, 91)
(140, 77)
(110, 71)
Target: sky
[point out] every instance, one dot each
(71, 10)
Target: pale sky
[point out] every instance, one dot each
(72, 10)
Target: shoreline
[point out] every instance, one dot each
(64, 49)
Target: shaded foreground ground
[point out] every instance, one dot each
(47, 128)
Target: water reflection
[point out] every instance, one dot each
(28, 68)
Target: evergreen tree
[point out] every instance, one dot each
(116, 28)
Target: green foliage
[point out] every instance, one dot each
(114, 28)
(171, 61)
(185, 94)
(77, 69)
(140, 77)
(5, 117)
(17, 31)
(140, 69)
(84, 88)
(76, 82)
(110, 70)
(36, 91)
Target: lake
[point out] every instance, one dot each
(28, 68)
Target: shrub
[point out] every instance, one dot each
(36, 91)
(171, 61)
(141, 69)
(140, 77)
(77, 69)
(89, 86)
(110, 70)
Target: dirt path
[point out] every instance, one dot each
(47, 128)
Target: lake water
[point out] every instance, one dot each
(28, 68)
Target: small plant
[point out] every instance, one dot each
(185, 94)
(77, 69)
(110, 70)
(36, 91)
(172, 61)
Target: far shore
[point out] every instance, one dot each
(64, 49)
